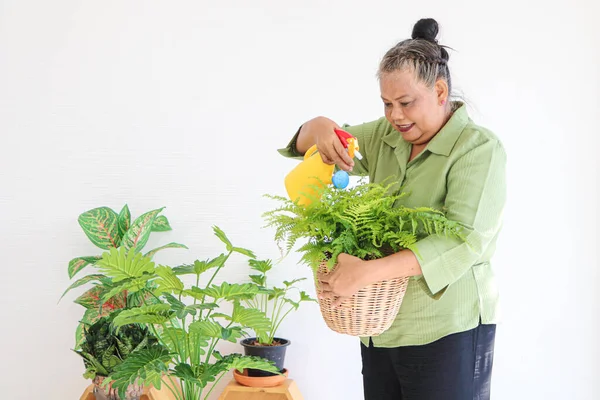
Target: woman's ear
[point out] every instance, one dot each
(441, 90)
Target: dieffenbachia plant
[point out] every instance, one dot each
(187, 320)
(108, 230)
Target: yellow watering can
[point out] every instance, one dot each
(312, 171)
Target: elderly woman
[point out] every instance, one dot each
(441, 344)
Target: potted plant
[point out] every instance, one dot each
(185, 320)
(103, 349)
(107, 230)
(277, 303)
(365, 222)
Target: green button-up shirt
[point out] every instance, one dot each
(462, 172)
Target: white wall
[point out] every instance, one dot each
(182, 104)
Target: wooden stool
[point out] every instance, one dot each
(288, 390)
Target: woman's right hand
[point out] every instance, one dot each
(320, 131)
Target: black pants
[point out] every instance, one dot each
(456, 367)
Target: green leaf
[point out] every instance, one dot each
(199, 267)
(206, 328)
(161, 224)
(79, 336)
(227, 291)
(79, 263)
(124, 220)
(149, 365)
(305, 297)
(152, 314)
(260, 280)
(250, 318)
(239, 362)
(246, 252)
(168, 282)
(139, 232)
(222, 237)
(262, 266)
(83, 281)
(172, 245)
(121, 264)
(182, 310)
(290, 283)
(292, 303)
(90, 298)
(185, 371)
(129, 285)
(100, 226)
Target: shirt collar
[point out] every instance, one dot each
(443, 142)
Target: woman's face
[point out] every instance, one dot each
(416, 111)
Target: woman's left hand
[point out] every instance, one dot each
(349, 276)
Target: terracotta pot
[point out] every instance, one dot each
(259, 381)
(134, 391)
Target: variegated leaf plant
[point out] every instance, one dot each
(108, 230)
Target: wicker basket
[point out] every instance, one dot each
(370, 312)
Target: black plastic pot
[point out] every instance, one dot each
(271, 353)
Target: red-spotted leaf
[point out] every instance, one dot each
(79, 263)
(83, 281)
(91, 298)
(151, 253)
(124, 220)
(161, 224)
(139, 232)
(100, 226)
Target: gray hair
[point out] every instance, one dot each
(421, 54)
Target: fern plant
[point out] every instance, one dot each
(108, 230)
(186, 319)
(364, 221)
(273, 300)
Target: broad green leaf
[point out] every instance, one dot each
(199, 266)
(260, 280)
(239, 362)
(206, 328)
(186, 372)
(149, 365)
(246, 252)
(250, 318)
(121, 264)
(182, 310)
(100, 226)
(129, 285)
(173, 245)
(161, 224)
(222, 237)
(232, 334)
(139, 232)
(152, 314)
(79, 263)
(228, 291)
(168, 282)
(262, 266)
(124, 220)
(82, 281)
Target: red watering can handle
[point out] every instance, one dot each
(344, 136)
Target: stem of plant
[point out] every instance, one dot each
(213, 386)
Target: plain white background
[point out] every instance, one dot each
(183, 104)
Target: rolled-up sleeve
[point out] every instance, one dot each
(362, 132)
(476, 195)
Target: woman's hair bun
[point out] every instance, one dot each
(427, 29)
